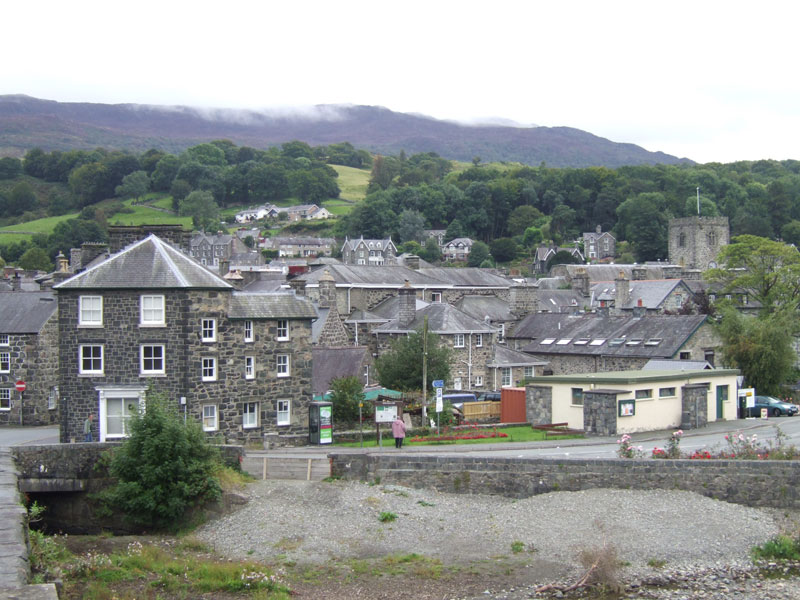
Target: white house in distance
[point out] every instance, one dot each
(457, 249)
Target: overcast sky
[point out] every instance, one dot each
(711, 81)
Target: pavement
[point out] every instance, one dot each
(605, 446)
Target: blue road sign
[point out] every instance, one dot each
(438, 383)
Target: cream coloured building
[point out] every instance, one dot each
(614, 403)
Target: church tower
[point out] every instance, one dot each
(695, 242)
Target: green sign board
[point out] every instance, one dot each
(325, 424)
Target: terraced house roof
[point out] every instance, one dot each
(270, 306)
(150, 263)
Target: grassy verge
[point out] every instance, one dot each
(105, 567)
(520, 433)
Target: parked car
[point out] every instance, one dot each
(489, 396)
(775, 407)
(458, 399)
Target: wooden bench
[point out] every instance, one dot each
(557, 430)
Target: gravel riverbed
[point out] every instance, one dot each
(689, 545)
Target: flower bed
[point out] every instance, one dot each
(470, 432)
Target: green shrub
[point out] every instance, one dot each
(162, 469)
(781, 547)
(387, 517)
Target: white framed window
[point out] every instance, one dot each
(5, 398)
(210, 421)
(457, 383)
(208, 330)
(282, 361)
(284, 412)
(5, 362)
(52, 399)
(209, 368)
(283, 330)
(90, 359)
(458, 340)
(479, 340)
(152, 359)
(90, 311)
(505, 376)
(250, 415)
(249, 367)
(502, 333)
(436, 296)
(5, 339)
(479, 381)
(528, 372)
(117, 407)
(152, 310)
(248, 331)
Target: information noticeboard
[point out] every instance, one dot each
(749, 395)
(385, 413)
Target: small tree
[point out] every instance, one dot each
(134, 185)
(165, 467)
(401, 367)
(346, 394)
(35, 259)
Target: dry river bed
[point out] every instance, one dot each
(337, 540)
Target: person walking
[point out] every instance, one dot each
(398, 431)
(87, 428)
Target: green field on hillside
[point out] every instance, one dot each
(352, 183)
(24, 231)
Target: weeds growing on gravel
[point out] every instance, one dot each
(387, 517)
(782, 547)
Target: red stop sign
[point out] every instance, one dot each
(20, 385)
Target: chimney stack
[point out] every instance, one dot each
(327, 290)
(408, 305)
(623, 292)
(298, 286)
(523, 300)
(580, 282)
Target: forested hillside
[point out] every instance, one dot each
(27, 122)
(509, 208)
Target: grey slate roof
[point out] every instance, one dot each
(466, 277)
(390, 307)
(561, 300)
(608, 272)
(657, 336)
(364, 316)
(506, 357)
(360, 275)
(442, 319)
(246, 305)
(652, 292)
(150, 263)
(333, 363)
(25, 312)
(480, 307)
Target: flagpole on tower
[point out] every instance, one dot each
(698, 200)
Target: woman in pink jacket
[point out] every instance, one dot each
(398, 431)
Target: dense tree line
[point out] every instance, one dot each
(533, 204)
(201, 180)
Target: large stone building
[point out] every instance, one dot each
(29, 353)
(695, 242)
(152, 320)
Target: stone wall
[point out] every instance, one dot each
(539, 404)
(600, 412)
(752, 483)
(65, 477)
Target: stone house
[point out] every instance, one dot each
(29, 352)
(509, 368)
(472, 341)
(651, 296)
(152, 320)
(594, 343)
(300, 246)
(457, 249)
(631, 401)
(213, 250)
(599, 245)
(373, 253)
